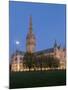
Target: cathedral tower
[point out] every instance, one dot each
(30, 39)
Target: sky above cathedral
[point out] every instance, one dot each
(48, 23)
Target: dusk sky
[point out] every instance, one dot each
(48, 22)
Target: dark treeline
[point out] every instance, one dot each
(31, 60)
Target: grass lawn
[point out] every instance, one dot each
(37, 79)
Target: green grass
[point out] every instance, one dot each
(37, 79)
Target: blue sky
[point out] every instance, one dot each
(48, 24)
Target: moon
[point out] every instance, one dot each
(17, 42)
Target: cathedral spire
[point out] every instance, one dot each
(30, 25)
(30, 39)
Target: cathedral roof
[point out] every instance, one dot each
(46, 51)
(18, 53)
(50, 50)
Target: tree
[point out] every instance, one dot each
(29, 60)
(52, 62)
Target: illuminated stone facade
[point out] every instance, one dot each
(17, 62)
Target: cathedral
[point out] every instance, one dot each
(17, 59)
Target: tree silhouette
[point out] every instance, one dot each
(52, 62)
(29, 60)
